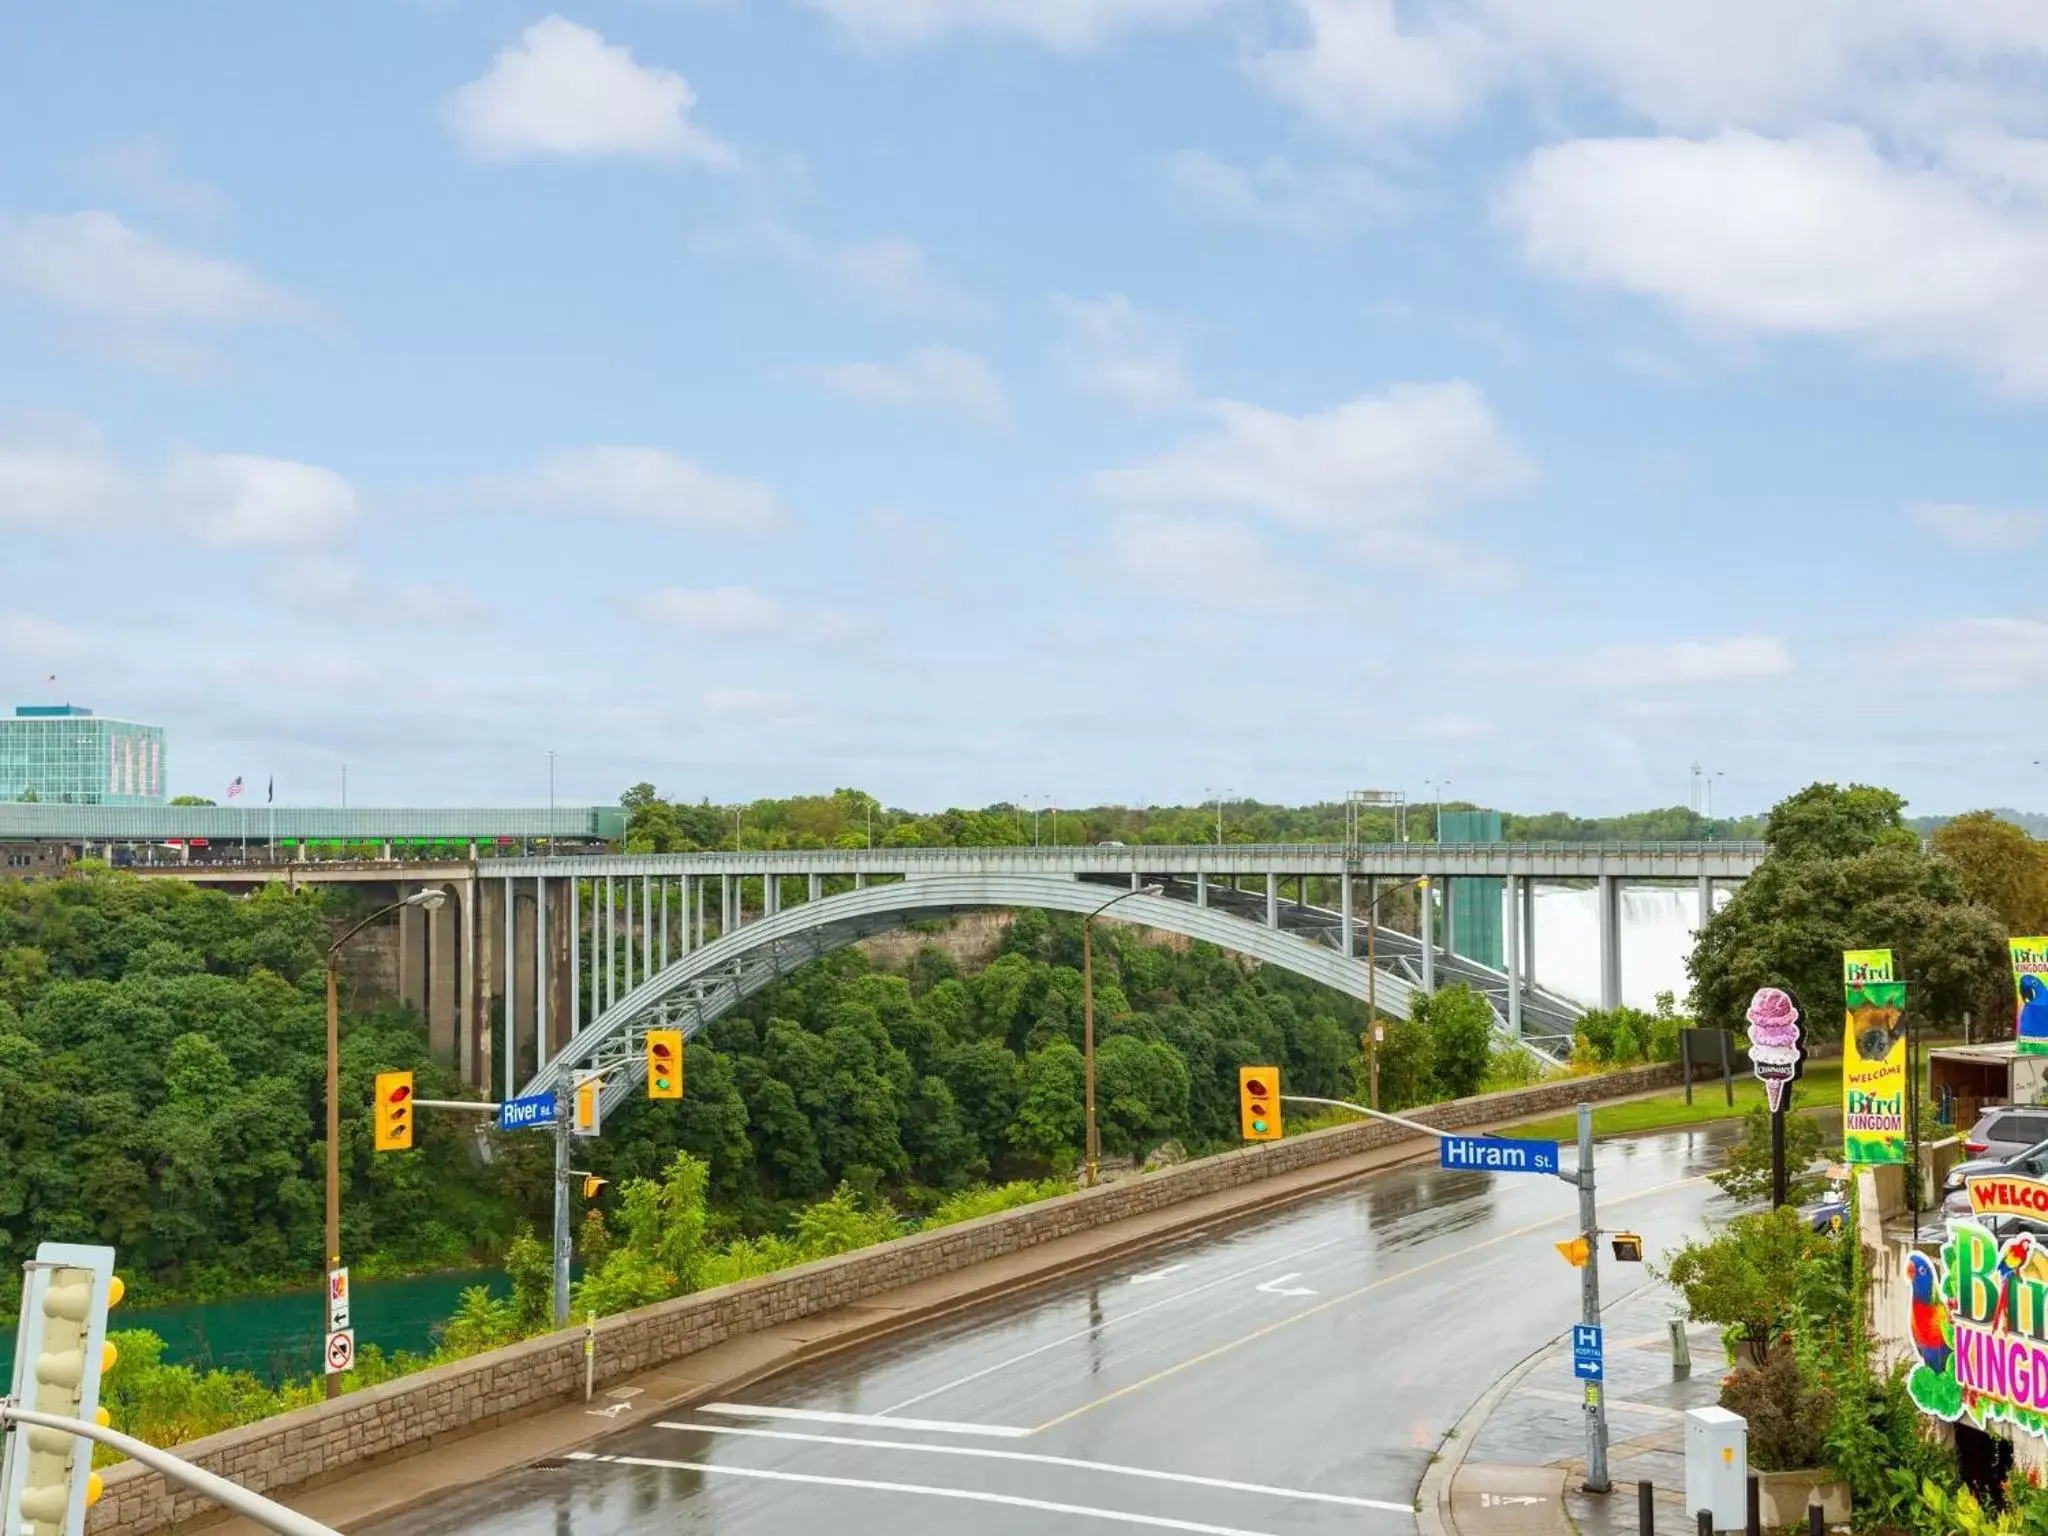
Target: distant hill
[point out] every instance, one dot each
(2033, 823)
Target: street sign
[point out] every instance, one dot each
(341, 1351)
(1497, 1154)
(535, 1111)
(1589, 1352)
(337, 1301)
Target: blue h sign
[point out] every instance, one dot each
(1588, 1352)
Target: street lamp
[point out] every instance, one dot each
(430, 899)
(551, 805)
(1217, 795)
(1093, 1157)
(1372, 973)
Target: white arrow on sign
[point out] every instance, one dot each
(1278, 1285)
(1486, 1499)
(1158, 1274)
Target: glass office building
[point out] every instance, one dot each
(64, 755)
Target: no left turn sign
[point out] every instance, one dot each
(341, 1351)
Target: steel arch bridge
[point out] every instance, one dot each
(692, 991)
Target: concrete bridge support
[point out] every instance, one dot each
(1610, 941)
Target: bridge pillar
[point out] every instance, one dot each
(522, 999)
(561, 973)
(444, 1007)
(627, 984)
(703, 899)
(1450, 916)
(860, 880)
(1349, 933)
(1272, 901)
(1201, 888)
(478, 1074)
(543, 952)
(725, 922)
(771, 895)
(1610, 941)
(412, 956)
(647, 926)
(596, 953)
(1706, 899)
(465, 1024)
(1514, 956)
(510, 974)
(575, 957)
(611, 975)
(1529, 927)
(1427, 932)
(817, 885)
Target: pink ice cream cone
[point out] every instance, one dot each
(1774, 1053)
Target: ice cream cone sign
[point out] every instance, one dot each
(1777, 1053)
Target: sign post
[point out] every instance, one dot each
(337, 1300)
(1777, 1055)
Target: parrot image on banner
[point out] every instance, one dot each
(1930, 1326)
(2033, 1020)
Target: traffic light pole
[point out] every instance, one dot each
(265, 1512)
(562, 1236)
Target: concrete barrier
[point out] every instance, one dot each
(329, 1440)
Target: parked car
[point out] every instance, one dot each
(2006, 1130)
(2031, 1161)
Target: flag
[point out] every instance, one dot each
(235, 788)
(270, 794)
(51, 678)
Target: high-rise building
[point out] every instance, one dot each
(66, 755)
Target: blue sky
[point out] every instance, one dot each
(1081, 399)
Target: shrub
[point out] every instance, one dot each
(1788, 1415)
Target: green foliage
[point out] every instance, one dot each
(971, 1203)
(1747, 1176)
(1845, 873)
(1460, 1025)
(1750, 1277)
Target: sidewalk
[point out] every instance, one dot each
(1516, 1462)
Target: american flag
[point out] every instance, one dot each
(235, 788)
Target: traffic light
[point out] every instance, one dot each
(1258, 1103)
(592, 1184)
(1576, 1252)
(394, 1111)
(585, 1105)
(61, 1352)
(1628, 1248)
(664, 1063)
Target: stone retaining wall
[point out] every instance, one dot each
(400, 1418)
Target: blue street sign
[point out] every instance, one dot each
(534, 1111)
(1497, 1154)
(1588, 1352)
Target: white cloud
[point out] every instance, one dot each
(940, 378)
(1979, 529)
(1818, 236)
(642, 484)
(94, 263)
(1069, 24)
(1115, 351)
(1278, 194)
(1359, 69)
(1980, 655)
(722, 611)
(1746, 658)
(142, 169)
(1366, 471)
(240, 501)
(562, 90)
(69, 481)
(888, 274)
(1213, 561)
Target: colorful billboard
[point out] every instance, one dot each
(1978, 1317)
(2030, 991)
(1873, 1059)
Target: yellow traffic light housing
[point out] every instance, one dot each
(1258, 1103)
(1628, 1247)
(61, 1353)
(585, 1105)
(664, 1063)
(592, 1184)
(1576, 1252)
(394, 1111)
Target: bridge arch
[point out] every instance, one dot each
(696, 989)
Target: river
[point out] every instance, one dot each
(279, 1336)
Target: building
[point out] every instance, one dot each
(60, 754)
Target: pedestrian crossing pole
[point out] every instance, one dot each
(1589, 1298)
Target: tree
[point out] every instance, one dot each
(1747, 1176)
(1407, 1073)
(1051, 1117)
(190, 800)
(1460, 1025)
(1848, 876)
(1750, 1277)
(2002, 868)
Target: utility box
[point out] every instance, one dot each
(1717, 1466)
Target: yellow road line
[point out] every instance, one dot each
(1338, 1301)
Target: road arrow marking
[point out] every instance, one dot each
(1158, 1274)
(1486, 1500)
(1278, 1285)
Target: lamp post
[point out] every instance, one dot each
(430, 899)
(551, 804)
(1372, 974)
(1217, 795)
(1092, 1158)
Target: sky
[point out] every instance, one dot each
(1059, 401)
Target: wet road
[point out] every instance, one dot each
(1290, 1374)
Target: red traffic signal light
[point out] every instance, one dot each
(394, 1111)
(664, 1063)
(1258, 1103)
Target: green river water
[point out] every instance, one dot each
(280, 1335)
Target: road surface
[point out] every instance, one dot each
(1288, 1374)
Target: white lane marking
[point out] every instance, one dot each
(1158, 1274)
(1278, 1285)
(863, 1420)
(1048, 1461)
(970, 1495)
(1079, 1334)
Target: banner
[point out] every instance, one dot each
(1978, 1319)
(2030, 992)
(1873, 1059)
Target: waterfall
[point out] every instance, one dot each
(1657, 923)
